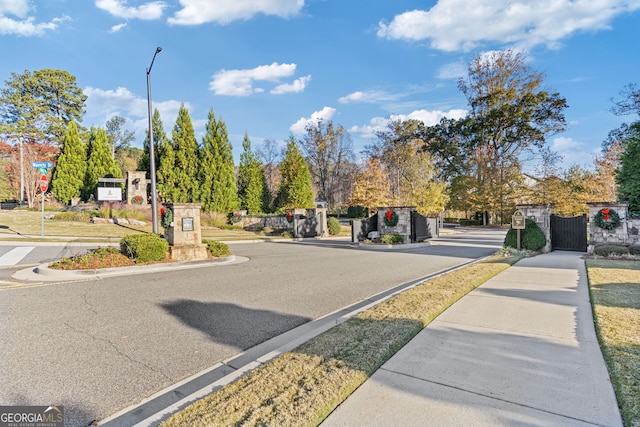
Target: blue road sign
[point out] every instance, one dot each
(47, 165)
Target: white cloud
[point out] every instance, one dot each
(196, 12)
(298, 85)
(240, 82)
(453, 70)
(298, 128)
(370, 96)
(146, 11)
(429, 118)
(19, 8)
(118, 27)
(103, 104)
(25, 25)
(453, 25)
(563, 145)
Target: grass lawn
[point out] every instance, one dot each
(615, 296)
(18, 224)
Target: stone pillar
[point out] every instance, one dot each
(403, 227)
(619, 234)
(184, 233)
(541, 215)
(136, 188)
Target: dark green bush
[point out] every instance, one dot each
(390, 239)
(357, 212)
(533, 237)
(334, 226)
(144, 247)
(73, 216)
(610, 249)
(634, 249)
(217, 249)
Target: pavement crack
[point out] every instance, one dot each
(88, 304)
(119, 352)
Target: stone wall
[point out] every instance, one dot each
(626, 233)
(403, 227)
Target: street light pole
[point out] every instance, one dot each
(152, 156)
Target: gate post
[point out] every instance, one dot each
(541, 215)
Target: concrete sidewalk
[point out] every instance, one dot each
(520, 350)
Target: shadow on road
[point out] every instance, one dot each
(232, 324)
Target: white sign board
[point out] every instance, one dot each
(109, 194)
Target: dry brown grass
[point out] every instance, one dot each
(615, 295)
(302, 387)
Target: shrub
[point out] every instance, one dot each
(390, 239)
(356, 212)
(533, 237)
(73, 216)
(144, 247)
(214, 219)
(287, 234)
(334, 226)
(634, 249)
(610, 249)
(216, 249)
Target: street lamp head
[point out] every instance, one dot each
(158, 49)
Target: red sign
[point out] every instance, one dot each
(44, 183)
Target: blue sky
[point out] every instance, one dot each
(267, 67)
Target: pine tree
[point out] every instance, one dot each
(187, 162)
(252, 184)
(219, 189)
(100, 164)
(71, 167)
(295, 187)
(628, 176)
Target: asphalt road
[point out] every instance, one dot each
(98, 346)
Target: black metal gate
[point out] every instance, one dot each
(360, 228)
(569, 233)
(310, 226)
(419, 227)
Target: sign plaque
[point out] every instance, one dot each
(187, 224)
(517, 221)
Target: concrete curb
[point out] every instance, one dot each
(44, 273)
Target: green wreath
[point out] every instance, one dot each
(166, 217)
(607, 219)
(136, 200)
(390, 218)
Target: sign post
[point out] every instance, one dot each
(44, 185)
(518, 223)
(43, 167)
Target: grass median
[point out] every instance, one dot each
(302, 387)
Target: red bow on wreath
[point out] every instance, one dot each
(606, 212)
(389, 215)
(163, 212)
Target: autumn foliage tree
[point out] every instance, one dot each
(371, 187)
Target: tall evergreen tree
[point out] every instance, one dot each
(628, 176)
(100, 164)
(187, 162)
(296, 190)
(219, 189)
(71, 167)
(252, 184)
